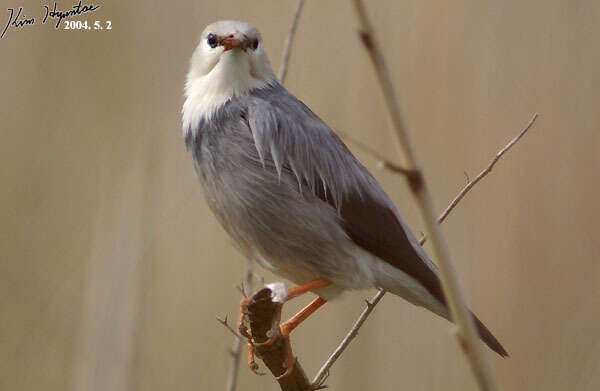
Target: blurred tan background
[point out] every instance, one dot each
(112, 269)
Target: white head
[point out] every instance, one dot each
(229, 61)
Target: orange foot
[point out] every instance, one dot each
(286, 328)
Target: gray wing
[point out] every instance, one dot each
(296, 140)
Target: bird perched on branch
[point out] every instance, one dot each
(288, 191)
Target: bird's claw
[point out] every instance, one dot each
(251, 362)
(290, 361)
(241, 323)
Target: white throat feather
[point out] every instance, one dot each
(234, 74)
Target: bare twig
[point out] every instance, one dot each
(236, 348)
(287, 49)
(450, 285)
(228, 327)
(382, 160)
(324, 371)
(486, 170)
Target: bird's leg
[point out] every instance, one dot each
(309, 286)
(293, 322)
(286, 328)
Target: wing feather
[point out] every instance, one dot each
(302, 144)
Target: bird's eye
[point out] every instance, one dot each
(254, 44)
(211, 39)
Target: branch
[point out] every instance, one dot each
(382, 160)
(229, 328)
(263, 316)
(324, 371)
(287, 49)
(486, 170)
(450, 285)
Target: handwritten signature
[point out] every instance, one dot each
(20, 20)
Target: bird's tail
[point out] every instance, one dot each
(429, 296)
(487, 337)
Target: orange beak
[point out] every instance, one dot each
(230, 43)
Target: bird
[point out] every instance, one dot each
(288, 191)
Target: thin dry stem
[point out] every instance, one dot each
(382, 160)
(486, 170)
(228, 327)
(450, 285)
(287, 48)
(324, 371)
